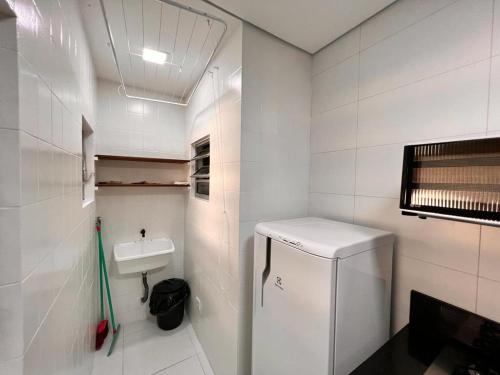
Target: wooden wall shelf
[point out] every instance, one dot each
(141, 159)
(141, 185)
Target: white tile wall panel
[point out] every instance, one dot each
(487, 299)
(449, 244)
(57, 122)
(211, 249)
(46, 170)
(8, 33)
(139, 128)
(376, 212)
(10, 247)
(332, 206)
(132, 127)
(489, 259)
(451, 104)
(28, 97)
(48, 79)
(12, 367)
(451, 286)
(31, 300)
(335, 129)
(9, 94)
(10, 168)
(336, 86)
(383, 181)
(275, 122)
(29, 168)
(333, 54)
(401, 15)
(11, 322)
(458, 35)
(425, 73)
(333, 172)
(494, 102)
(496, 29)
(44, 112)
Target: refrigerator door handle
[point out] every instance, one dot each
(267, 270)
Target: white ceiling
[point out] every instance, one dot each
(189, 40)
(307, 24)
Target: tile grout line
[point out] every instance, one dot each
(408, 26)
(379, 41)
(201, 365)
(395, 88)
(174, 364)
(337, 63)
(478, 265)
(192, 332)
(486, 133)
(52, 304)
(357, 126)
(489, 279)
(437, 265)
(418, 141)
(491, 65)
(432, 76)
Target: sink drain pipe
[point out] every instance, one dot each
(146, 287)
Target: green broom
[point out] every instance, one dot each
(102, 263)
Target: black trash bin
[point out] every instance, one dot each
(167, 302)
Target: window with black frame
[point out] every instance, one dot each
(201, 167)
(455, 180)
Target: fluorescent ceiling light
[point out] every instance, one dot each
(154, 56)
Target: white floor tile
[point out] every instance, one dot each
(112, 365)
(144, 349)
(190, 366)
(207, 369)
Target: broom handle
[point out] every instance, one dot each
(101, 252)
(101, 290)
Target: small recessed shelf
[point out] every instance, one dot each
(141, 159)
(100, 184)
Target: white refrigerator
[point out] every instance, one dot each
(322, 292)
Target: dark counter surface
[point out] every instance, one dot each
(392, 359)
(440, 339)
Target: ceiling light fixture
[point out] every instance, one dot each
(154, 56)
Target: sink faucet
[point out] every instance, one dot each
(143, 233)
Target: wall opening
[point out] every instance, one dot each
(201, 167)
(88, 168)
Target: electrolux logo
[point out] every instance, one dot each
(279, 282)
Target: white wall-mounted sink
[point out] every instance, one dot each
(143, 255)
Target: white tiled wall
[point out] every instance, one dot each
(47, 249)
(276, 108)
(419, 70)
(211, 259)
(139, 128)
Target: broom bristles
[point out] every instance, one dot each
(102, 332)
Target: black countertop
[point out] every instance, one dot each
(440, 339)
(393, 359)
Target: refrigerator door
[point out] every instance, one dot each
(294, 303)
